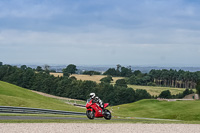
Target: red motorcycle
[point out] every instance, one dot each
(94, 110)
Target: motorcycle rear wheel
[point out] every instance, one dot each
(90, 114)
(107, 114)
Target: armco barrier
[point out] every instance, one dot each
(24, 110)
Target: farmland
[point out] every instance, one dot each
(156, 90)
(153, 90)
(95, 78)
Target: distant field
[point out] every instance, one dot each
(95, 78)
(57, 74)
(154, 90)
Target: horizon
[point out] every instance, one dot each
(100, 65)
(103, 68)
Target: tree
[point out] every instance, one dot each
(66, 74)
(46, 67)
(71, 69)
(186, 92)
(107, 79)
(91, 73)
(132, 80)
(126, 72)
(141, 94)
(1, 63)
(165, 94)
(39, 69)
(27, 77)
(118, 71)
(111, 71)
(23, 67)
(137, 73)
(121, 82)
(198, 87)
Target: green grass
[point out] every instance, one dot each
(99, 121)
(180, 110)
(82, 102)
(41, 115)
(155, 90)
(187, 111)
(11, 95)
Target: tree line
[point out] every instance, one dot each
(167, 94)
(164, 77)
(68, 86)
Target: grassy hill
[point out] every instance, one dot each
(181, 110)
(11, 95)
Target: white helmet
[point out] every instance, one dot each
(92, 95)
(97, 98)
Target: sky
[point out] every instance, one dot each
(100, 32)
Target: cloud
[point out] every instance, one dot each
(103, 31)
(101, 36)
(27, 10)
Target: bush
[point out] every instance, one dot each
(198, 87)
(121, 82)
(91, 73)
(107, 79)
(151, 84)
(165, 94)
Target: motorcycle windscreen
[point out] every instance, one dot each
(106, 105)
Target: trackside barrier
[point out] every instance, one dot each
(24, 110)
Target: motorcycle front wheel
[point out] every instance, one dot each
(90, 114)
(107, 114)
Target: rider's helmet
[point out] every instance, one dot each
(92, 95)
(97, 98)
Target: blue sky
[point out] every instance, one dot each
(100, 32)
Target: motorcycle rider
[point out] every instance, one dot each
(97, 100)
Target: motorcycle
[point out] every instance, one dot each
(94, 110)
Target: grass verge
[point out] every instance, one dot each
(112, 121)
(12, 95)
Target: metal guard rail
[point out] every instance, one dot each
(25, 110)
